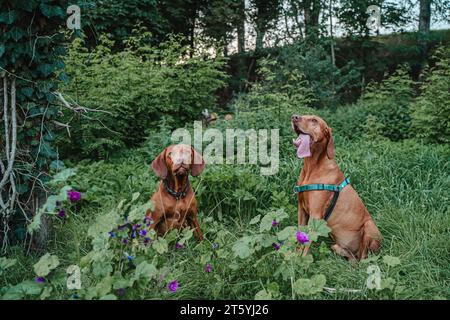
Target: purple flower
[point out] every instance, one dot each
(179, 245)
(74, 196)
(136, 226)
(40, 279)
(62, 213)
(302, 237)
(208, 268)
(173, 286)
(121, 291)
(112, 234)
(274, 223)
(143, 232)
(133, 235)
(123, 226)
(146, 240)
(125, 241)
(276, 246)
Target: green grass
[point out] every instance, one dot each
(403, 184)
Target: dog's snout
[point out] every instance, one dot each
(296, 117)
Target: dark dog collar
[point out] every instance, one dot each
(178, 195)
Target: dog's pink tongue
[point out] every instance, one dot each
(302, 144)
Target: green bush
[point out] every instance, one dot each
(430, 118)
(387, 104)
(328, 83)
(134, 89)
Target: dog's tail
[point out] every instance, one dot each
(371, 240)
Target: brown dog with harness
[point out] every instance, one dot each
(325, 193)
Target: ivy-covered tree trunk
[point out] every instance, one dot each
(31, 46)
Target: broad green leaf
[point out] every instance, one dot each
(46, 264)
(187, 234)
(263, 295)
(243, 248)
(63, 175)
(137, 213)
(145, 270)
(286, 233)
(310, 286)
(104, 286)
(160, 245)
(23, 289)
(388, 283)
(46, 293)
(35, 223)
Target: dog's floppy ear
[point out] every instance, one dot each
(198, 163)
(330, 144)
(159, 165)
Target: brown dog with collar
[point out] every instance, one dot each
(352, 227)
(174, 201)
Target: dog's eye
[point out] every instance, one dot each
(170, 154)
(314, 120)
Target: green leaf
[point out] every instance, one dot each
(391, 261)
(46, 293)
(243, 248)
(266, 221)
(145, 271)
(16, 34)
(263, 295)
(311, 286)
(255, 219)
(187, 234)
(160, 245)
(35, 223)
(2, 49)
(8, 17)
(6, 263)
(46, 264)
(286, 233)
(23, 289)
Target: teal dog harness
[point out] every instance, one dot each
(327, 187)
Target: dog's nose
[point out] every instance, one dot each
(296, 117)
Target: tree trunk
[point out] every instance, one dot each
(311, 9)
(424, 26)
(425, 17)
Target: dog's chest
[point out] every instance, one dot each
(178, 208)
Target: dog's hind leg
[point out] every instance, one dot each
(343, 252)
(371, 239)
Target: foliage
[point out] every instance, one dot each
(118, 19)
(31, 46)
(134, 90)
(327, 82)
(431, 111)
(384, 108)
(239, 243)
